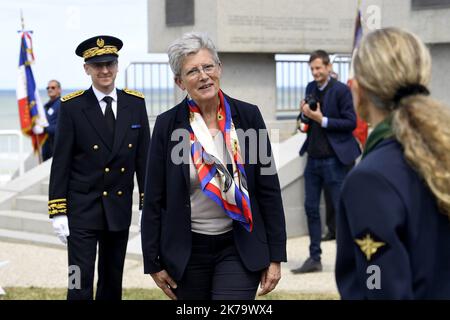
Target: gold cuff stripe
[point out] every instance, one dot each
(57, 206)
(55, 211)
(96, 51)
(57, 200)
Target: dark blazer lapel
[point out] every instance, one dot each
(234, 113)
(237, 125)
(123, 122)
(95, 117)
(183, 123)
(326, 97)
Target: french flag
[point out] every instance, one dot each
(31, 110)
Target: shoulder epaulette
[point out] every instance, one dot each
(134, 93)
(72, 95)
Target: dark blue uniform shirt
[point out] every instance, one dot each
(388, 219)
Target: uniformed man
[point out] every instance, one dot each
(102, 139)
(51, 112)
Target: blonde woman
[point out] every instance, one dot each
(393, 224)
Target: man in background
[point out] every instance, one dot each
(330, 146)
(51, 111)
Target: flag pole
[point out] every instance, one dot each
(21, 20)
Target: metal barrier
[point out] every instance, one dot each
(293, 74)
(341, 65)
(12, 154)
(155, 81)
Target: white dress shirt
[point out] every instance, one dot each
(324, 119)
(100, 95)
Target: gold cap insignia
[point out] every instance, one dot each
(100, 42)
(369, 246)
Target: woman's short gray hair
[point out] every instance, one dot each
(189, 43)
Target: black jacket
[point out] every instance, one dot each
(92, 181)
(338, 107)
(166, 220)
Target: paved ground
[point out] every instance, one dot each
(31, 265)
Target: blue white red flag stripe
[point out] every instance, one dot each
(31, 110)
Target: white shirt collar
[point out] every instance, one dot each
(100, 95)
(326, 83)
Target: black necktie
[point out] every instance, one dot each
(109, 116)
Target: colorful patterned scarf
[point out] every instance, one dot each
(228, 191)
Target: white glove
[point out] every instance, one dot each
(61, 228)
(37, 129)
(140, 219)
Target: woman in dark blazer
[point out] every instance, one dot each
(393, 239)
(213, 223)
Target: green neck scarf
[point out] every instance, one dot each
(382, 131)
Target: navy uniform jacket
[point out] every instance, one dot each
(409, 240)
(92, 181)
(166, 218)
(51, 112)
(338, 107)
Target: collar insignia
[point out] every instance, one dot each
(369, 246)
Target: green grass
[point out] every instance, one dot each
(33, 293)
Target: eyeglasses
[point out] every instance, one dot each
(209, 69)
(53, 88)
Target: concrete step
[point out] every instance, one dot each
(37, 223)
(25, 221)
(44, 187)
(134, 231)
(32, 203)
(45, 184)
(133, 250)
(31, 238)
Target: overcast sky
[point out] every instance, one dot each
(59, 26)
